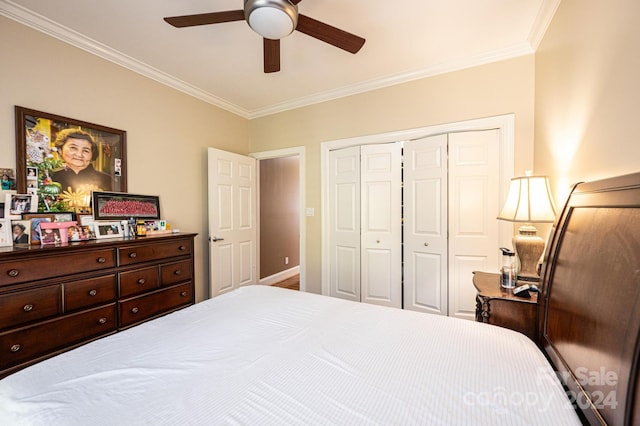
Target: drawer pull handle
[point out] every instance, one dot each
(177, 272)
(141, 281)
(27, 308)
(182, 248)
(102, 320)
(93, 292)
(101, 260)
(14, 273)
(133, 255)
(183, 293)
(15, 348)
(134, 310)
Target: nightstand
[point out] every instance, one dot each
(498, 306)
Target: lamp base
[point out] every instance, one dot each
(529, 248)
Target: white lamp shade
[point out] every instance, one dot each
(529, 200)
(271, 19)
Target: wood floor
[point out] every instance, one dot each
(292, 283)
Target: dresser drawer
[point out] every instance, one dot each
(90, 292)
(30, 305)
(175, 272)
(144, 307)
(138, 281)
(37, 268)
(32, 342)
(149, 252)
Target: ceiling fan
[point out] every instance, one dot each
(273, 20)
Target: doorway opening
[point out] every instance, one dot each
(281, 222)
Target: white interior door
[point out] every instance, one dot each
(344, 223)
(381, 224)
(425, 224)
(232, 221)
(474, 179)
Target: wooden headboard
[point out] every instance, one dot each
(589, 322)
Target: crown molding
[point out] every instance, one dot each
(74, 38)
(69, 36)
(395, 79)
(545, 15)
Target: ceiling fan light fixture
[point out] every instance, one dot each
(272, 19)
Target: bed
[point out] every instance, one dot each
(265, 355)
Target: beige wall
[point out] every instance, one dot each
(167, 131)
(588, 93)
(279, 215)
(489, 90)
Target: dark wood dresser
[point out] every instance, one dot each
(53, 299)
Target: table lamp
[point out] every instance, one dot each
(529, 201)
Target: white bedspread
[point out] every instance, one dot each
(263, 355)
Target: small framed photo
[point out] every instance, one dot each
(2, 208)
(32, 174)
(85, 219)
(63, 217)
(21, 232)
(8, 179)
(55, 232)
(122, 206)
(80, 233)
(107, 229)
(50, 236)
(5, 233)
(20, 203)
(36, 219)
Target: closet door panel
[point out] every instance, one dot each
(473, 205)
(344, 223)
(425, 224)
(381, 209)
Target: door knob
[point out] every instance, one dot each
(214, 239)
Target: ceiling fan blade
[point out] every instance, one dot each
(271, 55)
(332, 35)
(205, 18)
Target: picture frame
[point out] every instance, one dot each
(80, 233)
(107, 229)
(55, 232)
(7, 179)
(122, 206)
(41, 140)
(36, 219)
(6, 239)
(21, 232)
(64, 216)
(17, 204)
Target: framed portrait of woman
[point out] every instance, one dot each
(62, 160)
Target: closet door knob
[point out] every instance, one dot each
(426, 244)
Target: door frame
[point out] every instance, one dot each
(279, 153)
(506, 125)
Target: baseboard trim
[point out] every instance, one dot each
(283, 275)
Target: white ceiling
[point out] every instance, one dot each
(222, 63)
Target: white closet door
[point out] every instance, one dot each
(381, 227)
(425, 224)
(344, 223)
(473, 201)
